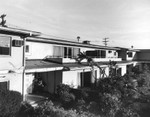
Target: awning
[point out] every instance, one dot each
(45, 66)
(41, 66)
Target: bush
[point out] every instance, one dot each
(61, 88)
(49, 110)
(109, 104)
(66, 98)
(9, 103)
(127, 112)
(26, 110)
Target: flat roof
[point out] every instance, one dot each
(39, 65)
(69, 43)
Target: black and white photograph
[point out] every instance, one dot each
(74, 58)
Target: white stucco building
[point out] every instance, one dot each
(27, 55)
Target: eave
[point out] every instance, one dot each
(68, 43)
(18, 32)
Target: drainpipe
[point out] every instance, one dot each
(23, 64)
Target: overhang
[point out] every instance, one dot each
(41, 66)
(18, 32)
(33, 66)
(68, 43)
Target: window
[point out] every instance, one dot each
(4, 85)
(27, 48)
(67, 52)
(76, 51)
(115, 53)
(5, 45)
(103, 53)
(129, 54)
(91, 53)
(58, 51)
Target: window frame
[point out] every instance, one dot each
(30, 49)
(10, 47)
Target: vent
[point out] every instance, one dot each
(86, 42)
(17, 43)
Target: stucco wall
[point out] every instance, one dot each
(71, 78)
(13, 61)
(39, 50)
(111, 55)
(28, 83)
(14, 81)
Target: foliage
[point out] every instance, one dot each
(61, 88)
(66, 98)
(38, 85)
(9, 103)
(127, 112)
(109, 104)
(26, 110)
(47, 109)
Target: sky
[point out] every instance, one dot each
(125, 22)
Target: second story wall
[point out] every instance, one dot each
(11, 54)
(36, 50)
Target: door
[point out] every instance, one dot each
(86, 79)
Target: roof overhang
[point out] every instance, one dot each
(18, 32)
(68, 43)
(41, 66)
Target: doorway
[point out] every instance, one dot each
(86, 79)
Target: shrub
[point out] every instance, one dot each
(109, 104)
(49, 110)
(9, 103)
(61, 88)
(127, 112)
(26, 110)
(80, 94)
(66, 98)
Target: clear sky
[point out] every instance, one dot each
(125, 22)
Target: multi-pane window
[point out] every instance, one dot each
(103, 53)
(66, 52)
(5, 45)
(96, 53)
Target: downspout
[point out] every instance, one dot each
(23, 64)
